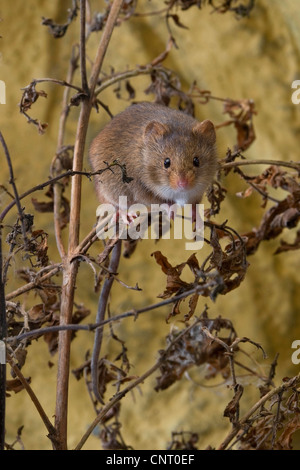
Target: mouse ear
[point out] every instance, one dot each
(206, 128)
(155, 130)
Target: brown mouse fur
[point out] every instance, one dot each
(142, 137)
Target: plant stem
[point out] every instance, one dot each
(71, 266)
(50, 428)
(294, 165)
(103, 299)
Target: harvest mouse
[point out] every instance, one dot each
(170, 156)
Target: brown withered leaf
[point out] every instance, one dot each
(232, 409)
(177, 21)
(192, 306)
(285, 214)
(284, 442)
(174, 283)
(59, 30)
(41, 206)
(15, 385)
(36, 313)
(30, 96)
(111, 437)
(105, 375)
(165, 85)
(130, 90)
(194, 349)
(241, 113)
(215, 195)
(51, 338)
(230, 263)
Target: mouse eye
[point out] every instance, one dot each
(196, 161)
(167, 163)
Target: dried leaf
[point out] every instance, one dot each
(232, 409)
(15, 385)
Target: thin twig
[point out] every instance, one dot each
(54, 269)
(16, 194)
(53, 80)
(293, 165)
(56, 166)
(141, 70)
(54, 180)
(90, 327)
(103, 300)
(84, 82)
(49, 426)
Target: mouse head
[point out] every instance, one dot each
(179, 160)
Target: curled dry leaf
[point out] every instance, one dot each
(194, 349)
(241, 113)
(15, 385)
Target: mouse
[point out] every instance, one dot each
(170, 156)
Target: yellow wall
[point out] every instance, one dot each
(256, 57)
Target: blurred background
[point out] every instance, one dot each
(249, 58)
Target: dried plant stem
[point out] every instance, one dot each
(293, 165)
(2, 298)
(54, 180)
(91, 327)
(56, 166)
(54, 80)
(49, 426)
(294, 381)
(118, 396)
(103, 299)
(54, 269)
(71, 267)
(84, 82)
(145, 70)
(12, 182)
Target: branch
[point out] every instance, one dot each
(54, 180)
(53, 80)
(84, 81)
(12, 182)
(141, 70)
(293, 165)
(103, 300)
(56, 166)
(92, 326)
(49, 426)
(54, 269)
(71, 267)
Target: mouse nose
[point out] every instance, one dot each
(182, 183)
